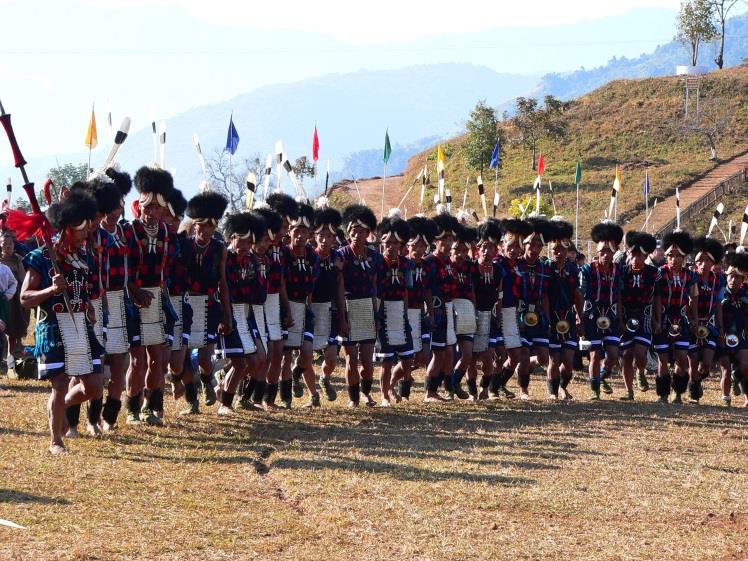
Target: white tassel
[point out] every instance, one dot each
(322, 202)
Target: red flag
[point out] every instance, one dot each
(315, 145)
(541, 165)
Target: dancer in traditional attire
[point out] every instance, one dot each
(600, 284)
(241, 230)
(325, 296)
(277, 312)
(394, 274)
(709, 328)
(301, 269)
(442, 282)
(204, 257)
(109, 201)
(65, 343)
(420, 304)
(487, 288)
(566, 307)
(151, 260)
(178, 284)
(531, 284)
(679, 296)
(733, 348)
(463, 303)
(358, 264)
(512, 248)
(641, 309)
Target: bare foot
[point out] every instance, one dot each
(226, 411)
(386, 402)
(177, 389)
(72, 432)
(93, 430)
(433, 397)
(57, 449)
(106, 427)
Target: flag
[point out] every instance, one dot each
(327, 176)
(232, 138)
(92, 139)
(646, 183)
(440, 171)
(541, 164)
(387, 147)
(495, 156)
(677, 208)
(578, 174)
(315, 145)
(614, 192)
(715, 217)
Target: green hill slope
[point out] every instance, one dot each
(629, 122)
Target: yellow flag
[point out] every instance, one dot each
(91, 137)
(440, 172)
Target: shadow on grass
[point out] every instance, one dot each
(11, 496)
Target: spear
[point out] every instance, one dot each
(28, 186)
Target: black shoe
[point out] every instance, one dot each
(210, 392)
(509, 394)
(460, 393)
(330, 392)
(313, 402)
(606, 387)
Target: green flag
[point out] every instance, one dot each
(387, 147)
(578, 174)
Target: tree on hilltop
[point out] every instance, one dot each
(695, 24)
(536, 123)
(482, 133)
(720, 10)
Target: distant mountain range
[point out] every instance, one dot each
(418, 105)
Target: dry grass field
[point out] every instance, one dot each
(493, 480)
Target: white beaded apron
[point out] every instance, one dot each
(296, 331)
(176, 303)
(116, 329)
(151, 319)
(75, 343)
(272, 317)
(394, 322)
(451, 335)
(98, 327)
(322, 324)
(483, 332)
(199, 332)
(241, 312)
(414, 320)
(258, 311)
(464, 316)
(360, 319)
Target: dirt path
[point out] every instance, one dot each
(665, 210)
(371, 191)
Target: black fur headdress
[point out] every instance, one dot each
(490, 230)
(284, 205)
(395, 226)
(78, 206)
(680, 239)
(305, 216)
(540, 227)
(154, 180)
(516, 227)
(607, 232)
(207, 206)
(445, 223)
(561, 230)
(178, 203)
(640, 242)
(710, 246)
(422, 227)
(327, 217)
(121, 179)
(466, 234)
(272, 219)
(362, 214)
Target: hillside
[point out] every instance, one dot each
(629, 122)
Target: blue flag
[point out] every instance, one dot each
(232, 139)
(646, 183)
(495, 156)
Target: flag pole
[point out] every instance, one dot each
(384, 180)
(576, 220)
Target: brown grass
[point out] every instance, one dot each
(499, 480)
(628, 122)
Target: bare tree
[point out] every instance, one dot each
(721, 9)
(711, 123)
(229, 177)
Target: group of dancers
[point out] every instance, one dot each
(236, 306)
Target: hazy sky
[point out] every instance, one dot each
(157, 58)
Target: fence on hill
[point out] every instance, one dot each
(722, 188)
